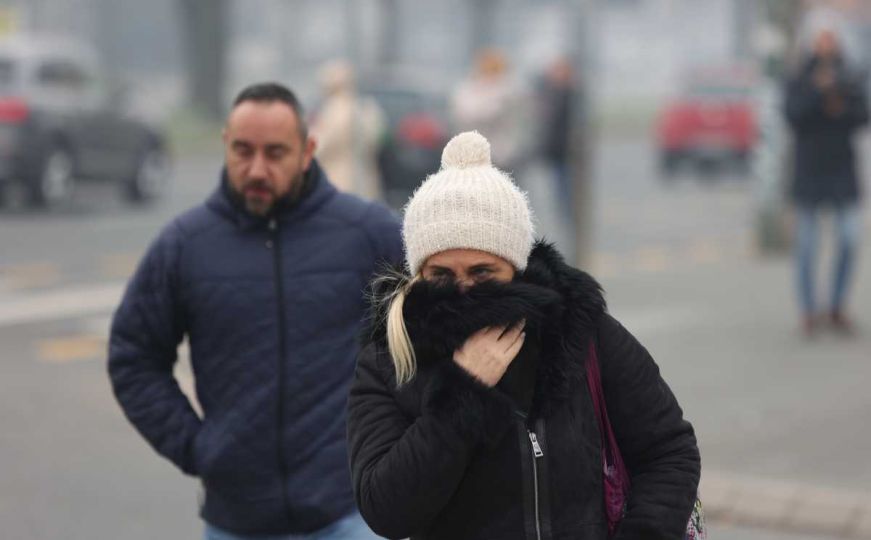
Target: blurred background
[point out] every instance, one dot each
(649, 135)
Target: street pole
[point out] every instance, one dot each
(354, 45)
(389, 32)
(582, 133)
(772, 163)
(481, 27)
(745, 16)
(205, 30)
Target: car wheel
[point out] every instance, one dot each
(55, 184)
(741, 164)
(151, 178)
(669, 164)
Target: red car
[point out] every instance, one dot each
(712, 122)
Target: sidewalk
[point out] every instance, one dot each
(782, 421)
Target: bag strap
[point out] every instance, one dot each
(610, 450)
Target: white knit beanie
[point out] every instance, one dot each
(467, 204)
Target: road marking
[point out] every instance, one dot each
(705, 252)
(29, 275)
(72, 349)
(605, 265)
(655, 320)
(119, 265)
(59, 304)
(654, 259)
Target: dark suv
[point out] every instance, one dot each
(60, 123)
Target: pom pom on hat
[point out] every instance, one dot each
(468, 204)
(469, 149)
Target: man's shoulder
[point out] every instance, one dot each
(190, 223)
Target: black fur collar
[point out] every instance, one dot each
(560, 305)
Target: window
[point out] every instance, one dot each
(61, 75)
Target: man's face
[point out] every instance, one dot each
(265, 153)
(826, 44)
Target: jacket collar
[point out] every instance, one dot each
(316, 191)
(560, 304)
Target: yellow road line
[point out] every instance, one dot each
(118, 265)
(605, 265)
(705, 252)
(30, 275)
(71, 349)
(654, 259)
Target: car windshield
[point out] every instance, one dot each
(396, 104)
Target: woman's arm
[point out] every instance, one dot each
(657, 444)
(405, 470)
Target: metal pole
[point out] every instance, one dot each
(389, 42)
(745, 15)
(582, 131)
(481, 26)
(772, 162)
(353, 44)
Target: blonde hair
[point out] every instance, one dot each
(398, 341)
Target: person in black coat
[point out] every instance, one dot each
(469, 415)
(825, 106)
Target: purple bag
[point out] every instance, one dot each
(615, 475)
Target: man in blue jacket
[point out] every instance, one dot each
(265, 279)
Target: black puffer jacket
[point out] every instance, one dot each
(825, 171)
(445, 457)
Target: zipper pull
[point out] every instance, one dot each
(272, 224)
(536, 448)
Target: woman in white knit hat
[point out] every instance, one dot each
(472, 414)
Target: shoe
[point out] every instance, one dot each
(841, 323)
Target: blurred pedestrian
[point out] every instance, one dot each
(557, 97)
(825, 106)
(349, 130)
(265, 280)
(469, 417)
(489, 101)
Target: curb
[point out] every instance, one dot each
(788, 506)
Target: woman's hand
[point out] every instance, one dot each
(487, 353)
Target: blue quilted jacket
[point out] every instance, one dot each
(272, 309)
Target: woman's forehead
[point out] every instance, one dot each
(463, 257)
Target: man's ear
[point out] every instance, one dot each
(309, 152)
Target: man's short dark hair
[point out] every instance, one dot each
(270, 92)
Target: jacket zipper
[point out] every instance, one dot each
(536, 454)
(282, 352)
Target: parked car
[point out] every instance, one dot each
(416, 133)
(712, 122)
(61, 122)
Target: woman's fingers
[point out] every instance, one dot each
(515, 347)
(510, 333)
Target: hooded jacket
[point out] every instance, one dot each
(825, 171)
(272, 310)
(445, 457)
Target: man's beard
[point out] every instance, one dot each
(260, 199)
